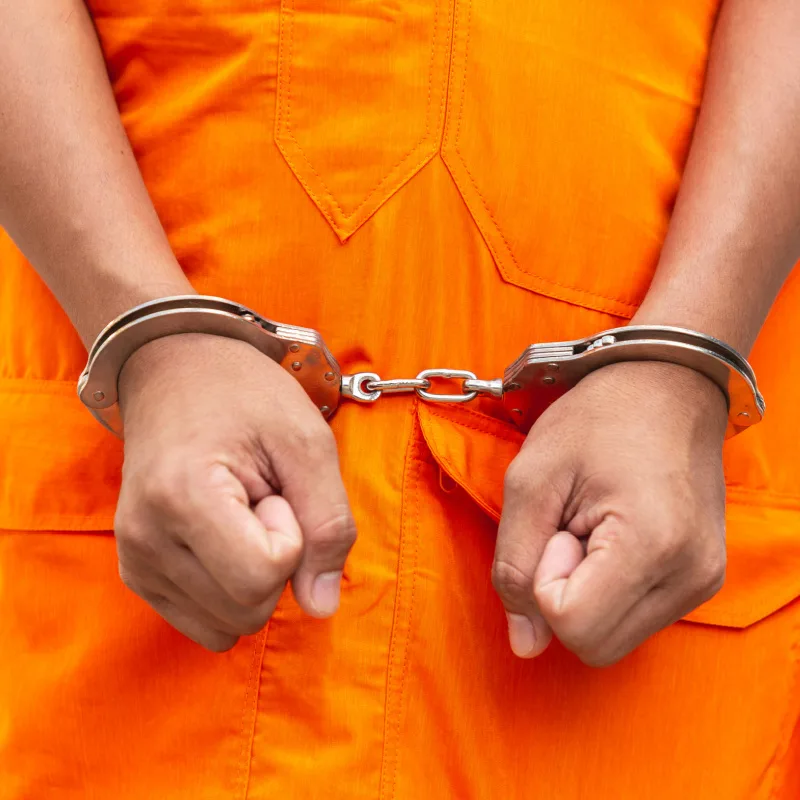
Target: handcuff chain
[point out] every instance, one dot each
(367, 387)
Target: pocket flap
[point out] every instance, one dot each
(763, 539)
(473, 449)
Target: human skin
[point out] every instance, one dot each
(613, 520)
(604, 539)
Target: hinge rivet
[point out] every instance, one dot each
(325, 409)
(329, 376)
(296, 365)
(99, 396)
(553, 367)
(548, 379)
(294, 347)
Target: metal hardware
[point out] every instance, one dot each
(367, 387)
(705, 354)
(527, 387)
(602, 341)
(353, 387)
(448, 374)
(399, 385)
(288, 345)
(494, 387)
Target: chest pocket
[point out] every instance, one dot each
(568, 126)
(361, 92)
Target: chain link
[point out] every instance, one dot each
(367, 387)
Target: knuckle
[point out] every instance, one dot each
(252, 588)
(668, 547)
(511, 582)
(128, 578)
(574, 629)
(218, 642)
(597, 657)
(161, 486)
(254, 581)
(335, 536)
(710, 574)
(158, 490)
(517, 479)
(135, 540)
(252, 623)
(312, 440)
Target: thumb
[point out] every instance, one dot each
(532, 511)
(312, 484)
(561, 557)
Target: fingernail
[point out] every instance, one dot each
(521, 635)
(325, 593)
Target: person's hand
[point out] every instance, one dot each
(613, 521)
(231, 485)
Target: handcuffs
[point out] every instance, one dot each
(541, 374)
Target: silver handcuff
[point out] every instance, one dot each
(541, 374)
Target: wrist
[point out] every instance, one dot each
(112, 297)
(671, 388)
(699, 313)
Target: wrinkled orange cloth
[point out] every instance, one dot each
(428, 183)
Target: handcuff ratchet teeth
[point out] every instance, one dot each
(541, 374)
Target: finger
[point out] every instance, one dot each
(652, 613)
(663, 605)
(532, 510)
(148, 582)
(188, 623)
(312, 484)
(561, 556)
(249, 554)
(183, 572)
(584, 600)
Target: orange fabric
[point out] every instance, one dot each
(428, 183)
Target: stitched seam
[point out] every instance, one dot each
(455, 11)
(790, 721)
(778, 496)
(550, 281)
(404, 670)
(755, 612)
(392, 170)
(484, 427)
(459, 476)
(464, 76)
(388, 784)
(254, 681)
(458, 152)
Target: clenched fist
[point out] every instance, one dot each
(230, 487)
(613, 522)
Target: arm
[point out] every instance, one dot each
(73, 199)
(735, 233)
(221, 499)
(613, 523)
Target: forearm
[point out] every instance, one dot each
(71, 195)
(735, 231)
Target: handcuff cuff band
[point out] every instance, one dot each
(541, 374)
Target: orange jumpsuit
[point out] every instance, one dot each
(428, 183)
